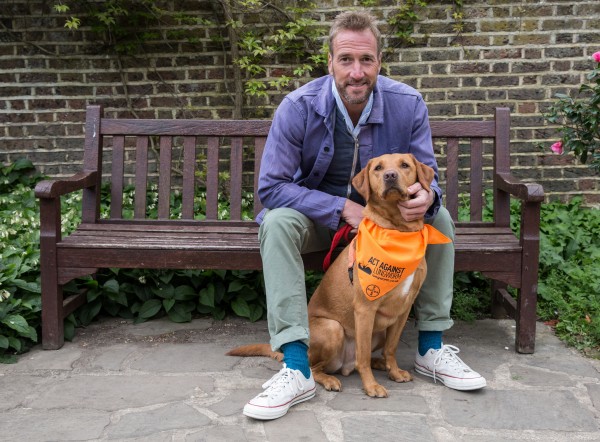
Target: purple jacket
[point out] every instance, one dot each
(299, 147)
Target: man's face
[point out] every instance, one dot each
(354, 65)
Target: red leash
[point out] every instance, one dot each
(343, 232)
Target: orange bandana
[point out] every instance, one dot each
(386, 257)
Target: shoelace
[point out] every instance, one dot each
(449, 355)
(282, 380)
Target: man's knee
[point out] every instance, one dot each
(444, 223)
(283, 224)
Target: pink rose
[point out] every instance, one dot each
(557, 147)
(596, 56)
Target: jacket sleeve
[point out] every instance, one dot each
(281, 173)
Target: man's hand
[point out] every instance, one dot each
(352, 213)
(417, 206)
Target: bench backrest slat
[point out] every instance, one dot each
(189, 177)
(117, 166)
(193, 152)
(164, 181)
(141, 176)
(212, 178)
(476, 179)
(235, 183)
(451, 193)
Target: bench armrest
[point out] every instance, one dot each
(527, 192)
(56, 188)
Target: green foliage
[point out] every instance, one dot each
(19, 260)
(404, 19)
(569, 281)
(579, 120)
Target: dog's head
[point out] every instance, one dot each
(388, 177)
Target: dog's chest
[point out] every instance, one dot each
(394, 304)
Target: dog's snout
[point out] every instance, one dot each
(390, 175)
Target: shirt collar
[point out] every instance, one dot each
(354, 130)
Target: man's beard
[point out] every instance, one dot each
(353, 99)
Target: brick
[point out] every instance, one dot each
(564, 52)
(437, 82)
(560, 24)
(503, 53)
(564, 38)
(591, 200)
(530, 39)
(469, 68)
(499, 26)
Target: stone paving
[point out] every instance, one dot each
(161, 381)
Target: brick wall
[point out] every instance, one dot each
(511, 53)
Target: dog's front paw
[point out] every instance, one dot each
(399, 375)
(330, 383)
(376, 390)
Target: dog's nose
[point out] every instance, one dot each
(390, 175)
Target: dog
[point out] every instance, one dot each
(347, 320)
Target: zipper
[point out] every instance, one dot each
(352, 171)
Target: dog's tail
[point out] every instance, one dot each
(256, 350)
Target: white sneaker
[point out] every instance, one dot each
(444, 365)
(288, 387)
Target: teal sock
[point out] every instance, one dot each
(429, 339)
(295, 356)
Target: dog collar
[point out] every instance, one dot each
(385, 257)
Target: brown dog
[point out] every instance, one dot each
(345, 326)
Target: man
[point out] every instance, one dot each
(322, 135)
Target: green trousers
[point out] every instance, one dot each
(286, 233)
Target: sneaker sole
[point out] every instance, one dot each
(264, 413)
(481, 382)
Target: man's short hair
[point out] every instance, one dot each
(355, 21)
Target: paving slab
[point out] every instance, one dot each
(161, 381)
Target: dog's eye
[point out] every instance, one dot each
(378, 167)
(404, 165)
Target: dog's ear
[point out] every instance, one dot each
(425, 175)
(361, 182)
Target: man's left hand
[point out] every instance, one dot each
(417, 206)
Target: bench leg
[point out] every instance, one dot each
(52, 294)
(527, 300)
(53, 336)
(526, 318)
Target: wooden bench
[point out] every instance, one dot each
(473, 155)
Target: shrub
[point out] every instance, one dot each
(579, 120)
(20, 304)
